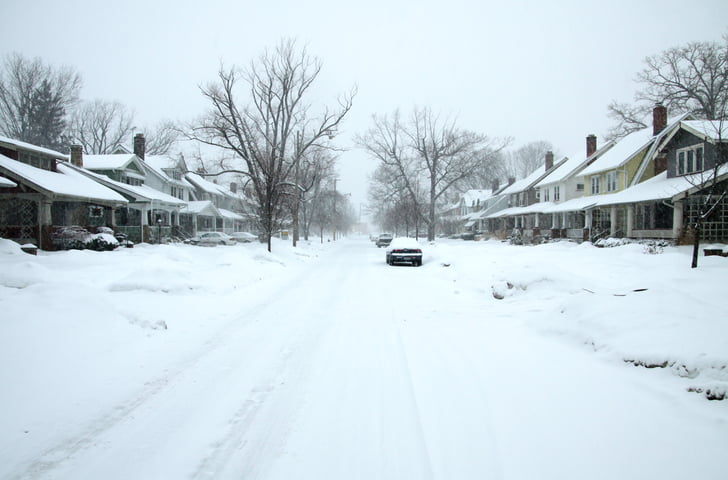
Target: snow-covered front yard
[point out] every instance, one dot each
(559, 361)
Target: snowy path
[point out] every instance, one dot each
(353, 369)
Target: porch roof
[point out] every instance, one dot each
(201, 207)
(659, 188)
(539, 207)
(65, 182)
(6, 182)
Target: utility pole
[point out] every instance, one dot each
(334, 209)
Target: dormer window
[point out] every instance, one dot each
(690, 160)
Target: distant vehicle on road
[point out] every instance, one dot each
(384, 240)
(404, 250)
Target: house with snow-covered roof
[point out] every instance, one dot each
(689, 162)
(631, 161)
(562, 192)
(41, 194)
(523, 214)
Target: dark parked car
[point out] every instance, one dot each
(404, 250)
(384, 240)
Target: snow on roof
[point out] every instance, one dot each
(63, 182)
(711, 129)
(658, 188)
(200, 207)
(230, 214)
(112, 161)
(33, 148)
(572, 165)
(573, 205)
(525, 183)
(626, 148)
(207, 185)
(139, 192)
(6, 182)
(621, 152)
(539, 207)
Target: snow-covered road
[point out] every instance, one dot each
(344, 367)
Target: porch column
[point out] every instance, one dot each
(630, 220)
(535, 222)
(677, 219)
(613, 220)
(45, 224)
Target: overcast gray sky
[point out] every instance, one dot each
(530, 70)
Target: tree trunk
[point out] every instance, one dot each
(696, 244)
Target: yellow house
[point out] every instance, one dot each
(633, 159)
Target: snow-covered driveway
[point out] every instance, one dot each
(325, 363)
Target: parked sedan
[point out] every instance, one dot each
(244, 237)
(212, 239)
(404, 250)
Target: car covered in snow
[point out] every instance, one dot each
(212, 239)
(404, 250)
(384, 240)
(244, 237)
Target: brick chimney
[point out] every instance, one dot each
(591, 145)
(233, 187)
(139, 145)
(77, 155)
(495, 185)
(549, 160)
(511, 180)
(659, 118)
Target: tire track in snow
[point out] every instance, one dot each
(92, 436)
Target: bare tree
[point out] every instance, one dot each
(161, 137)
(523, 161)
(35, 100)
(693, 78)
(427, 154)
(100, 126)
(260, 135)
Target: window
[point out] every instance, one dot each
(579, 187)
(546, 195)
(690, 160)
(611, 181)
(595, 184)
(557, 195)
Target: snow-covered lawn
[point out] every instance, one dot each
(490, 361)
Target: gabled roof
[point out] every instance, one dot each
(711, 130)
(207, 186)
(140, 193)
(474, 196)
(114, 161)
(573, 165)
(33, 148)
(201, 207)
(531, 180)
(629, 147)
(158, 163)
(66, 182)
(6, 182)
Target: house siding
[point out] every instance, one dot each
(684, 139)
